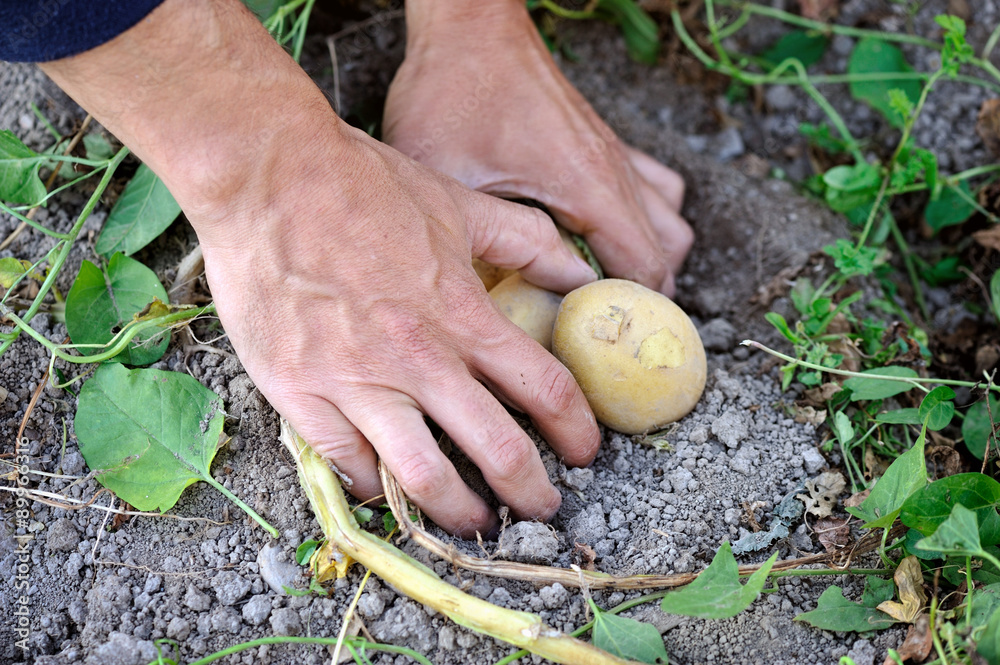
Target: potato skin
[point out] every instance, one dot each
(636, 355)
(529, 307)
(489, 274)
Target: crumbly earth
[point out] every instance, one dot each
(208, 578)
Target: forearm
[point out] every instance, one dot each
(204, 96)
(428, 20)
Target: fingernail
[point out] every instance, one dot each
(591, 275)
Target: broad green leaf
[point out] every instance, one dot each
(717, 592)
(937, 408)
(951, 208)
(642, 37)
(900, 417)
(143, 211)
(834, 612)
(926, 509)
(875, 56)
(877, 590)
(906, 475)
(985, 601)
(807, 47)
(848, 187)
(19, 164)
(100, 303)
(148, 433)
(977, 427)
(11, 270)
(864, 388)
(97, 147)
(627, 638)
(988, 645)
(995, 293)
(959, 534)
(910, 541)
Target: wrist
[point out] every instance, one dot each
(430, 22)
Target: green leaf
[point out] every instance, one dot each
(97, 147)
(906, 475)
(717, 592)
(834, 612)
(363, 514)
(143, 211)
(778, 321)
(877, 590)
(19, 164)
(985, 601)
(627, 638)
(958, 534)
(305, 551)
(642, 37)
(874, 56)
(11, 270)
(937, 408)
(864, 388)
(926, 509)
(851, 260)
(807, 47)
(148, 433)
(843, 428)
(989, 641)
(951, 208)
(977, 428)
(388, 522)
(848, 187)
(99, 304)
(900, 417)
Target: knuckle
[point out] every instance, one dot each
(510, 454)
(556, 391)
(423, 477)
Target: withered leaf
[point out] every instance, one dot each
(856, 500)
(988, 238)
(918, 642)
(833, 532)
(988, 125)
(810, 415)
(910, 586)
(823, 491)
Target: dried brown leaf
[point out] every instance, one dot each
(918, 642)
(823, 491)
(856, 500)
(584, 556)
(810, 415)
(988, 238)
(910, 589)
(819, 10)
(988, 125)
(833, 533)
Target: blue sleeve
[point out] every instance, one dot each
(42, 30)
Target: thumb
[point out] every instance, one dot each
(525, 239)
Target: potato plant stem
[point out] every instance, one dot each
(327, 641)
(417, 581)
(916, 382)
(244, 507)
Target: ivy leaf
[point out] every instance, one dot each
(305, 551)
(907, 416)
(806, 47)
(834, 612)
(148, 433)
(937, 408)
(926, 509)
(989, 642)
(874, 56)
(877, 591)
(864, 388)
(906, 475)
(100, 303)
(19, 164)
(143, 211)
(627, 638)
(959, 534)
(951, 208)
(977, 427)
(717, 592)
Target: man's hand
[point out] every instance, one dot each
(341, 269)
(480, 98)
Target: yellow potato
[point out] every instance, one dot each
(635, 354)
(529, 307)
(489, 274)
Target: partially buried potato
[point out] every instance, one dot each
(529, 307)
(635, 354)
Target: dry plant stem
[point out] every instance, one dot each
(418, 582)
(583, 578)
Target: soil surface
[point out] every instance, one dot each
(206, 577)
